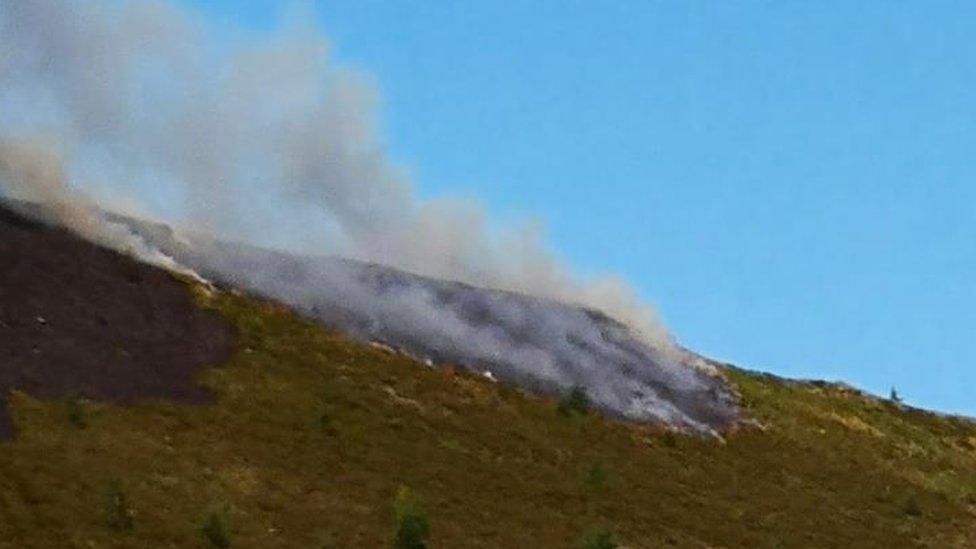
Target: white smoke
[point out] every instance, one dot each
(261, 139)
(33, 172)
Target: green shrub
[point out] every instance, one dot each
(326, 417)
(215, 530)
(670, 439)
(596, 477)
(76, 413)
(325, 421)
(120, 515)
(412, 527)
(575, 402)
(599, 539)
(911, 507)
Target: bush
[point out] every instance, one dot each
(600, 539)
(120, 515)
(911, 507)
(412, 527)
(576, 401)
(326, 423)
(215, 530)
(596, 477)
(669, 438)
(76, 414)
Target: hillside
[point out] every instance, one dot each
(303, 437)
(524, 340)
(79, 319)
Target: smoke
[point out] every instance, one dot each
(32, 172)
(257, 138)
(537, 344)
(263, 141)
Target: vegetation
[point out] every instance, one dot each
(600, 539)
(120, 515)
(575, 402)
(215, 530)
(412, 527)
(823, 467)
(597, 476)
(76, 414)
(911, 506)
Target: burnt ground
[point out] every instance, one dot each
(79, 320)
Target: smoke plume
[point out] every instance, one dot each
(257, 138)
(254, 142)
(32, 172)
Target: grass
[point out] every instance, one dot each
(311, 437)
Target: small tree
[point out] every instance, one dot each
(670, 439)
(120, 515)
(596, 477)
(576, 401)
(76, 414)
(599, 539)
(911, 507)
(412, 527)
(215, 530)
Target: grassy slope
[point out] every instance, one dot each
(496, 468)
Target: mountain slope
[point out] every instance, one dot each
(76, 319)
(311, 434)
(540, 344)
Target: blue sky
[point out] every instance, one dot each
(791, 183)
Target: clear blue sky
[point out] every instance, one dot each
(793, 184)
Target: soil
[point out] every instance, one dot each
(80, 320)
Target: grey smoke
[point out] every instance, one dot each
(269, 138)
(542, 345)
(263, 139)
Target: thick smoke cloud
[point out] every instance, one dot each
(127, 105)
(265, 140)
(541, 345)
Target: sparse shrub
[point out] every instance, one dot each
(412, 527)
(326, 417)
(575, 402)
(911, 507)
(215, 530)
(120, 515)
(669, 439)
(596, 476)
(599, 539)
(325, 421)
(76, 413)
